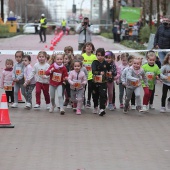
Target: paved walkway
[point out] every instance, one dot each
(49, 141)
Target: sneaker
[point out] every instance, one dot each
(28, 106)
(110, 107)
(133, 107)
(82, 107)
(163, 110)
(125, 110)
(69, 106)
(66, 102)
(121, 106)
(74, 107)
(78, 112)
(14, 105)
(144, 109)
(95, 110)
(139, 108)
(48, 106)
(151, 107)
(62, 112)
(88, 105)
(168, 103)
(52, 109)
(37, 106)
(114, 106)
(102, 112)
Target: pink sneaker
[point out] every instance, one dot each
(114, 106)
(121, 106)
(78, 112)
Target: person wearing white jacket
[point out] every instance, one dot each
(85, 31)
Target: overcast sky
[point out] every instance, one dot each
(86, 4)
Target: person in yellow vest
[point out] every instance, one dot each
(43, 27)
(63, 24)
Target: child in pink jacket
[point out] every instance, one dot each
(77, 80)
(7, 81)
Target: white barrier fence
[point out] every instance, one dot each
(35, 52)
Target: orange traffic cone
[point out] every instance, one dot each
(4, 115)
(20, 97)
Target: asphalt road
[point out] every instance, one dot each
(49, 141)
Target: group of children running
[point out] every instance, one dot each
(68, 76)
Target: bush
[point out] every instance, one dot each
(107, 35)
(133, 45)
(145, 32)
(3, 29)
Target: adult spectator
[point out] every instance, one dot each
(85, 32)
(162, 38)
(115, 30)
(43, 27)
(63, 24)
(135, 32)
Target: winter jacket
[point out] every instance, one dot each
(165, 74)
(18, 72)
(57, 76)
(77, 80)
(134, 78)
(6, 79)
(162, 37)
(84, 34)
(113, 69)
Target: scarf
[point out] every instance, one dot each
(8, 69)
(56, 66)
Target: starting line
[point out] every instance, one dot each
(35, 52)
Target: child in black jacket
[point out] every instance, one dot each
(100, 69)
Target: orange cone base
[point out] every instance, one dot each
(7, 126)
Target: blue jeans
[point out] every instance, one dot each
(162, 55)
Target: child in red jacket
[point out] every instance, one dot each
(58, 74)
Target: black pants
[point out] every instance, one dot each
(67, 88)
(133, 99)
(89, 90)
(99, 94)
(10, 95)
(152, 96)
(165, 89)
(114, 95)
(42, 31)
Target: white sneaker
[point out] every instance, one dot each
(151, 107)
(163, 110)
(14, 105)
(48, 106)
(62, 112)
(144, 108)
(37, 106)
(69, 106)
(52, 109)
(96, 110)
(133, 107)
(28, 106)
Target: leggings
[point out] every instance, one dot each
(165, 89)
(53, 91)
(110, 91)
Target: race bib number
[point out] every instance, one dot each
(168, 76)
(134, 83)
(88, 67)
(77, 83)
(56, 77)
(109, 75)
(18, 71)
(8, 86)
(150, 75)
(41, 72)
(98, 79)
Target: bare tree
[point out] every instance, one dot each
(150, 13)
(158, 13)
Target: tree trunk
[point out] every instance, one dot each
(164, 7)
(133, 3)
(158, 13)
(144, 11)
(150, 14)
(114, 16)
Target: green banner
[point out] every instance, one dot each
(130, 14)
